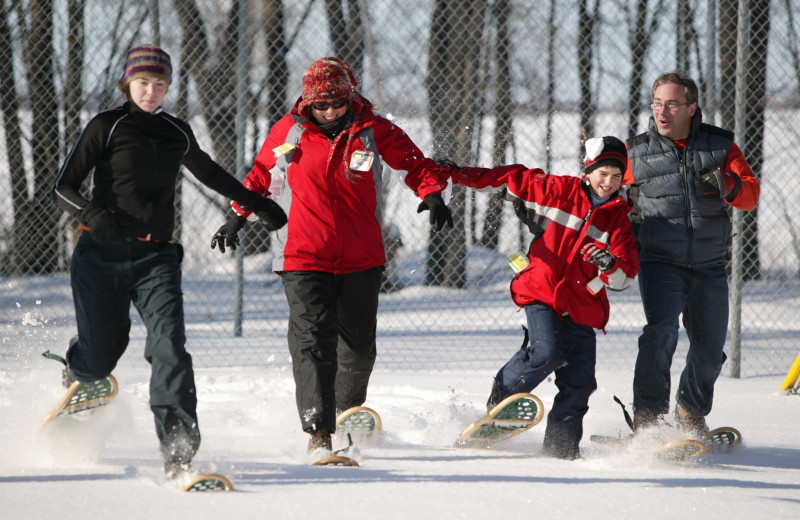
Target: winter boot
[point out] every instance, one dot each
(178, 449)
(320, 440)
(66, 377)
(692, 425)
(494, 397)
(644, 419)
(177, 460)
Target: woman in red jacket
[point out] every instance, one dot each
(582, 244)
(324, 162)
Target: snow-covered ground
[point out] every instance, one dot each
(109, 465)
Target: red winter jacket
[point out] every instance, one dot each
(335, 215)
(558, 211)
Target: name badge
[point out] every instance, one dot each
(361, 161)
(283, 149)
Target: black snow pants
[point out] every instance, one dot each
(106, 278)
(332, 324)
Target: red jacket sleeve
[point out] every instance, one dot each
(516, 177)
(422, 175)
(747, 198)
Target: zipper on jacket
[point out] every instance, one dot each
(687, 201)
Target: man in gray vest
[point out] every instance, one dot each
(686, 173)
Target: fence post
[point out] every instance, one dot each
(737, 249)
(241, 122)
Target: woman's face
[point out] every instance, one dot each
(148, 92)
(325, 112)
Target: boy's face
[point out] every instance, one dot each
(148, 92)
(605, 180)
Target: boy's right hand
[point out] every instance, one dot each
(598, 256)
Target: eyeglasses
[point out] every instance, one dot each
(322, 105)
(669, 107)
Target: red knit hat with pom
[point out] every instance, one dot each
(327, 79)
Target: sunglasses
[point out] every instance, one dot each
(322, 105)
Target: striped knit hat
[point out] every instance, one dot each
(604, 151)
(146, 60)
(327, 79)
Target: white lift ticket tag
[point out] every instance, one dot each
(361, 161)
(283, 149)
(595, 285)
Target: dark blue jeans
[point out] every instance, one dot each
(568, 349)
(106, 278)
(701, 295)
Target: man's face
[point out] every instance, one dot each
(671, 113)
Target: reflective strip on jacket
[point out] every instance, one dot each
(335, 216)
(559, 212)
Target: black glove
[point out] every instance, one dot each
(599, 257)
(440, 213)
(444, 161)
(721, 184)
(228, 234)
(101, 223)
(269, 212)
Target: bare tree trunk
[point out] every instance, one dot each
(453, 55)
(551, 85)
(504, 114)
(346, 32)
(35, 237)
(277, 48)
(73, 89)
(586, 107)
(639, 43)
(794, 47)
(214, 75)
(753, 140)
(9, 101)
(682, 35)
(727, 62)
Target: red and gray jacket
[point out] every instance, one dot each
(558, 211)
(331, 189)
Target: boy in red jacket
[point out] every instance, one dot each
(582, 244)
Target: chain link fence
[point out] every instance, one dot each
(488, 83)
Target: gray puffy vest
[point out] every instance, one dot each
(678, 224)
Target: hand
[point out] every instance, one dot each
(228, 234)
(269, 212)
(101, 223)
(444, 161)
(440, 213)
(599, 257)
(721, 184)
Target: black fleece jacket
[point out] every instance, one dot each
(136, 157)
